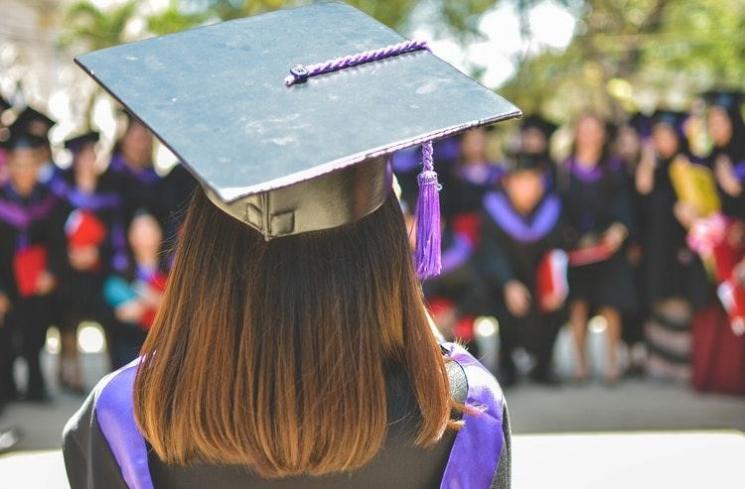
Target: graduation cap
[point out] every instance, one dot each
(19, 139)
(77, 143)
(4, 104)
(287, 118)
(535, 121)
(730, 100)
(33, 122)
(672, 118)
(521, 161)
(641, 123)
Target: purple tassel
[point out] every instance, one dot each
(428, 233)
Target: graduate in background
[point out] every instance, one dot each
(131, 169)
(91, 221)
(727, 158)
(596, 194)
(521, 236)
(675, 281)
(29, 261)
(134, 294)
(38, 124)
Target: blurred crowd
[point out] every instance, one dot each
(87, 243)
(633, 226)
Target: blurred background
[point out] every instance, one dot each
(629, 65)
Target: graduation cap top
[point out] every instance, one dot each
(728, 99)
(77, 143)
(538, 122)
(33, 122)
(261, 108)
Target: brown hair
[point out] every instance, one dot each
(274, 354)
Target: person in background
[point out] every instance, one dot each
(135, 294)
(727, 158)
(4, 134)
(131, 169)
(90, 219)
(596, 194)
(29, 265)
(535, 135)
(523, 230)
(627, 147)
(38, 124)
(675, 281)
(472, 176)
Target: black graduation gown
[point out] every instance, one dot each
(80, 292)
(733, 206)
(140, 189)
(670, 269)
(512, 247)
(26, 221)
(593, 200)
(91, 465)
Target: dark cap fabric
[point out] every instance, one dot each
(77, 143)
(727, 99)
(536, 121)
(33, 122)
(217, 97)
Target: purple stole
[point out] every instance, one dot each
(146, 176)
(473, 460)
(457, 254)
(542, 221)
(21, 216)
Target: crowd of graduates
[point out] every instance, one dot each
(633, 226)
(81, 243)
(534, 242)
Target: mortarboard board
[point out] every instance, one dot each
(730, 100)
(281, 152)
(19, 139)
(33, 122)
(538, 122)
(77, 143)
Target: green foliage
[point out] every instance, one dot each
(627, 51)
(95, 28)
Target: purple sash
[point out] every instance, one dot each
(457, 255)
(146, 176)
(542, 222)
(93, 202)
(591, 174)
(473, 459)
(115, 416)
(475, 455)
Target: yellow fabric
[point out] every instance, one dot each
(695, 185)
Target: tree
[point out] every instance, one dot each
(628, 50)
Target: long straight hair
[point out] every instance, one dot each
(274, 355)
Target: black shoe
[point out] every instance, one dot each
(9, 438)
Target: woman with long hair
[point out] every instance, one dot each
(596, 196)
(292, 348)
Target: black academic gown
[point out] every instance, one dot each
(733, 206)
(91, 465)
(512, 247)
(25, 222)
(140, 189)
(80, 292)
(593, 200)
(670, 269)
